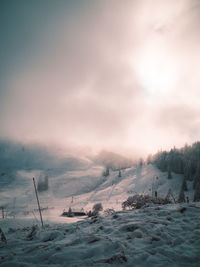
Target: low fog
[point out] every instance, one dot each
(115, 75)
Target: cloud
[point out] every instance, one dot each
(81, 83)
(184, 119)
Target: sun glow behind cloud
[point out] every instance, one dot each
(157, 70)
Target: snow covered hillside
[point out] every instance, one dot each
(82, 188)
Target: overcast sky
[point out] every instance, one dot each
(121, 75)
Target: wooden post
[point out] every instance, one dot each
(38, 202)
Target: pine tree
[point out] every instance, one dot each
(196, 181)
(197, 176)
(184, 185)
(188, 171)
(70, 213)
(197, 193)
(141, 162)
(169, 173)
(149, 159)
(181, 197)
(120, 175)
(106, 172)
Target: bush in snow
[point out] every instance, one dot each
(138, 201)
(109, 211)
(89, 214)
(32, 233)
(2, 236)
(97, 208)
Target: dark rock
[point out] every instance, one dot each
(182, 210)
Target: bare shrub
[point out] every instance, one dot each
(109, 211)
(138, 201)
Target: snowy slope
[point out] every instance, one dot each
(86, 186)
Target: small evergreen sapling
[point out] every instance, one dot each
(70, 213)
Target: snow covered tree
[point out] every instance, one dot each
(119, 175)
(197, 176)
(97, 208)
(141, 162)
(197, 193)
(169, 176)
(70, 213)
(106, 172)
(184, 185)
(181, 197)
(188, 170)
(196, 181)
(149, 159)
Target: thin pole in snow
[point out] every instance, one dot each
(2, 208)
(38, 202)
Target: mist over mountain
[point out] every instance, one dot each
(114, 160)
(15, 156)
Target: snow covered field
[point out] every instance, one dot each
(154, 236)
